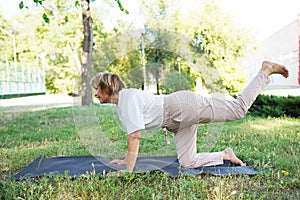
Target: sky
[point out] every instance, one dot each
(261, 18)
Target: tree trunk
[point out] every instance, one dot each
(87, 47)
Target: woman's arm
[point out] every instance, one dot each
(133, 143)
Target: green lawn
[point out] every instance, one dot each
(265, 143)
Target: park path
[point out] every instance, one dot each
(288, 91)
(38, 102)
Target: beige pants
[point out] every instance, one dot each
(184, 110)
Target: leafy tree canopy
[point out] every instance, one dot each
(215, 41)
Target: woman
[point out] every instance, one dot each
(179, 112)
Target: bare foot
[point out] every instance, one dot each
(274, 68)
(229, 155)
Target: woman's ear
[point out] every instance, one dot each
(108, 91)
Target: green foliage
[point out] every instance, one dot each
(6, 44)
(161, 45)
(129, 67)
(121, 7)
(276, 106)
(175, 82)
(37, 2)
(265, 143)
(76, 3)
(21, 5)
(61, 40)
(220, 44)
(46, 19)
(214, 39)
(223, 44)
(62, 43)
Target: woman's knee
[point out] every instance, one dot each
(241, 113)
(239, 110)
(186, 162)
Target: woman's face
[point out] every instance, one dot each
(103, 96)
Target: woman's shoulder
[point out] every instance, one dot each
(130, 92)
(126, 92)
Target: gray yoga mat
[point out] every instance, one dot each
(76, 166)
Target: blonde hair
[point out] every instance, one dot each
(110, 82)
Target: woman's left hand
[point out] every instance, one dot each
(118, 162)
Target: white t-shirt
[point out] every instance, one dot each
(139, 110)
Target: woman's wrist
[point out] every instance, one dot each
(131, 160)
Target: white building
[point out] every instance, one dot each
(282, 47)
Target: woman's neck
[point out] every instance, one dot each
(114, 98)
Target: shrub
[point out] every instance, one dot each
(276, 106)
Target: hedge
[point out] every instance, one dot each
(275, 106)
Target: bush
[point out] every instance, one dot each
(175, 82)
(276, 106)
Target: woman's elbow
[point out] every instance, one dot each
(135, 135)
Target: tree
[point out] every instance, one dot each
(87, 47)
(216, 43)
(222, 44)
(6, 44)
(160, 23)
(60, 40)
(175, 82)
(208, 41)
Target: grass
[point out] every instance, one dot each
(265, 143)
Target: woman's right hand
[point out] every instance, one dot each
(119, 162)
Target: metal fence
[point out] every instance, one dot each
(19, 80)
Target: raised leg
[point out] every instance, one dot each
(229, 110)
